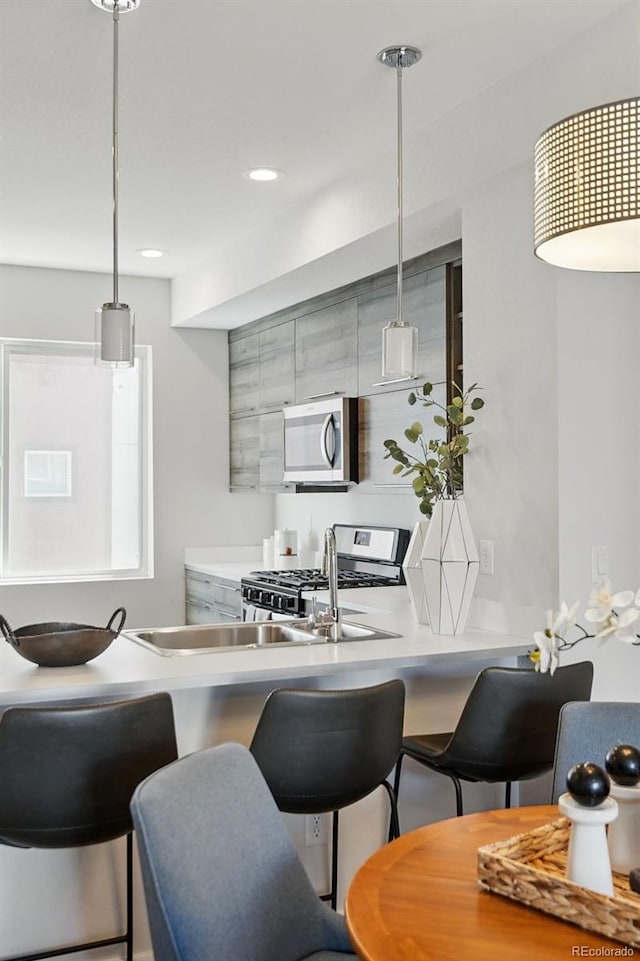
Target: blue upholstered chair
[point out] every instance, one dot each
(587, 730)
(222, 879)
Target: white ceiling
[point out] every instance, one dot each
(212, 87)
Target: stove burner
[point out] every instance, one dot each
(314, 580)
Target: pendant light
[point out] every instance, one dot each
(114, 321)
(399, 339)
(587, 189)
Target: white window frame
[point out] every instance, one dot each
(66, 454)
(143, 355)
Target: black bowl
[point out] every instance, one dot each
(62, 644)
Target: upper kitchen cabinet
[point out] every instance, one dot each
(424, 304)
(276, 375)
(326, 352)
(386, 416)
(244, 363)
(261, 369)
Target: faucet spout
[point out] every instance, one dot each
(331, 564)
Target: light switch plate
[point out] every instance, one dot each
(599, 563)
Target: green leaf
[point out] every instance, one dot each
(390, 444)
(416, 427)
(427, 388)
(398, 469)
(477, 403)
(439, 420)
(457, 401)
(412, 398)
(468, 420)
(411, 435)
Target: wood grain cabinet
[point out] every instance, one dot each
(210, 599)
(276, 375)
(244, 452)
(261, 383)
(327, 352)
(424, 304)
(386, 416)
(332, 345)
(244, 370)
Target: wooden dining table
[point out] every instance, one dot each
(418, 899)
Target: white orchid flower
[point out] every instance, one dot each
(620, 625)
(602, 603)
(548, 647)
(566, 617)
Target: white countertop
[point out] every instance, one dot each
(126, 668)
(231, 563)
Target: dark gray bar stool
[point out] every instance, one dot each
(507, 729)
(320, 751)
(68, 775)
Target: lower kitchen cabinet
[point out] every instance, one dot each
(210, 599)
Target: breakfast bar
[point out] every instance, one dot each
(218, 697)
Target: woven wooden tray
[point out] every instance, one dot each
(530, 868)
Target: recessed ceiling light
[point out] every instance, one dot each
(263, 174)
(151, 252)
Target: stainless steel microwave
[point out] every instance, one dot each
(321, 441)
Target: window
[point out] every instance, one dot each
(76, 464)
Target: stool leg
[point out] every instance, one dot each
(129, 882)
(394, 821)
(507, 794)
(334, 861)
(458, 787)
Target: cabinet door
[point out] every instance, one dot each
(244, 452)
(244, 367)
(210, 599)
(277, 366)
(387, 416)
(424, 306)
(326, 352)
(272, 453)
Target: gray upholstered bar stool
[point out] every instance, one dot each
(507, 729)
(68, 775)
(321, 751)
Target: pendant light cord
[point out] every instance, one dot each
(116, 18)
(400, 213)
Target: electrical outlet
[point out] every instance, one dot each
(315, 829)
(486, 557)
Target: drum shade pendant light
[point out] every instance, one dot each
(114, 321)
(399, 339)
(587, 197)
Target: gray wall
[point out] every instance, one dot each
(192, 505)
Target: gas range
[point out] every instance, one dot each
(367, 557)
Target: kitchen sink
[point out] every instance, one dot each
(208, 638)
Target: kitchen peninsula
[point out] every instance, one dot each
(218, 697)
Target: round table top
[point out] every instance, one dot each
(418, 899)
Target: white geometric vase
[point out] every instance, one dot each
(412, 567)
(450, 566)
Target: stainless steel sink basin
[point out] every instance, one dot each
(207, 638)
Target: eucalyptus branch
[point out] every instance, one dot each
(439, 472)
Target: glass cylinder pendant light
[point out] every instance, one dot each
(587, 190)
(399, 339)
(115, 322)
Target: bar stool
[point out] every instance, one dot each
(68, 775)
(321, 751)
(507, 729)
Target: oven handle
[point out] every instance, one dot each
(328, 421)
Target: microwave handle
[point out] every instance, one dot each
(323, 440)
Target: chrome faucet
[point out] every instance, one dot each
(330, 565)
